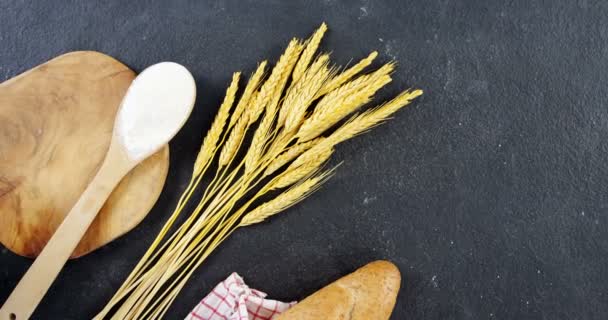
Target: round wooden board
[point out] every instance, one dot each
(56, 122)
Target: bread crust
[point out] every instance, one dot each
(369, 293)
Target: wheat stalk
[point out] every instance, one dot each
(234, 140)
(270, 87)
(284, 200)
(213, 136)
(249, 94)
(304, 90)
(300, 169)
(348, 74)
(312, 45)
(283, 76)
(287, 152)
(304, 93)
(289, 155)
(269, 96)
(372, 117)
(258, 143)
(342, 102)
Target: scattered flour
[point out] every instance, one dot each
(434, 281)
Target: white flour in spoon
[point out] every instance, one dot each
(155, 107)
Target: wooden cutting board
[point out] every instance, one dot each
(56, 122)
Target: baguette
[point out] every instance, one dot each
(366, 294)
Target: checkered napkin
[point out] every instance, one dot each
(232, 299)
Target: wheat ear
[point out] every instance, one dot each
(269, 88)
(258, 143)
(283, 77)
(276, 82)
(285, 200)
(217, 127)
(296, 171)
(289, 155)
(248, 93)
(371, 118)
(234, 141)
(302, 93)
(341, 102)
(312, 45)
(348, 74)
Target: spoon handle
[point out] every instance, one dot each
(34, 284)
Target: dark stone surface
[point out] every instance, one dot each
(490, 193)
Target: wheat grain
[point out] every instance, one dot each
(371, 118)
(276, 82)
(296, 171)
(234, 141)
(289, 155)
(270, 87)
(258, 143)
(333, 109)
(283, 201)
(311, 47)
(249, 93)
(213, 135)
(301, 95)
(355, 86)
(348, 74)
(301, 88)
(311, 160)
(278, 143)
(283, 78)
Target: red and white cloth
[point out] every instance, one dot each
(232, 299)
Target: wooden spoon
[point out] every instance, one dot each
(155, 107)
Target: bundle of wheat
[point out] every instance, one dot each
(286, 115)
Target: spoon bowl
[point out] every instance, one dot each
(155, 107)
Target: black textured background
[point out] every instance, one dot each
(489, 193)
